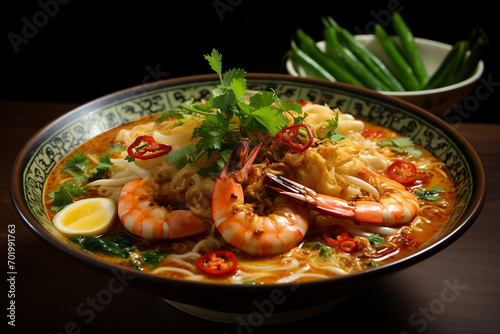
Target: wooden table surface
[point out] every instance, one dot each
(455, 291)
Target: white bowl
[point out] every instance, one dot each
(437, 101)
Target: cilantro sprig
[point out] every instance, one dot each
(227, 116)
(428, 194)
(402, 145)
(324, 251)
(81, 170)
(332, 128)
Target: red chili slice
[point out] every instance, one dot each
(292, 137)
(403, 172)
(145, 147)
(336, 235)
(218, 263)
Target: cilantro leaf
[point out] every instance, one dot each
(181, 157)
(267, 117)
(333, 125)
(64, 195)
(216, 167)
(235, 80)
(213, 130)
(399, 142)
(169, 114)
(215, 62)
(81, 179)
(428, 195)
(324, 250)
(79, 168)
(117, 147)
(261, 99)
(287, 105)
(77, 163)
(375, 239)
(104, 165)
(223, 99)
(402, 145)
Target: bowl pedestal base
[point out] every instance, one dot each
(257, 318)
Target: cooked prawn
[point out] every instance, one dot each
(393, 204)
(145, 218)
(280, 230)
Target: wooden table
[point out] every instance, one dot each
(455, 291)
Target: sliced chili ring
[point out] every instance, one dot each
(218, 263)
(145, 147)
(332, 234)
(336, 235)
(348, 246)
(403, 172)
(291, 136)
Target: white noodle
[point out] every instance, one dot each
(188, 255)
(173, 269)
(291, 265)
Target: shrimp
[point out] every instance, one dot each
(143, 217)
(393, 204)
(284, 226)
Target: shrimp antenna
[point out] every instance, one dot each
(285, 183)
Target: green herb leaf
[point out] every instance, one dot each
(64, 195)
(213, 131)
(95, 244)
(152, 258)
(77, 163)
(117, 148)
(375, 239)
(215, 62)
(286, 106)
(79, 168)
(104, 165)
(333, 132)
(268, 117)
(61, 199)
(167, 115)
(181, 157)
(402, 145)
(399, 142)
(324, 250)
(428, 195)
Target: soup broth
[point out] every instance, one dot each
(332, 245)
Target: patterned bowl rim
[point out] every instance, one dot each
(466, 219)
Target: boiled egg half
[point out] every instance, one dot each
(86, 217)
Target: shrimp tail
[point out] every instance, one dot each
(395, 207)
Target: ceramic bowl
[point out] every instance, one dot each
(437, 101)
(288, 301)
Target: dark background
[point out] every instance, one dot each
(76, 51)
